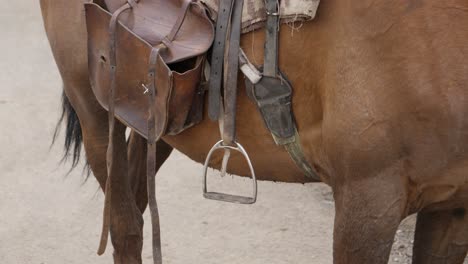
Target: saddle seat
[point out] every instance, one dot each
(155, 20)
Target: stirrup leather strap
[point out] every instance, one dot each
(227, 111)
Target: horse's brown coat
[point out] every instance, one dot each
(380, 96)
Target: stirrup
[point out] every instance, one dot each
(223, 196)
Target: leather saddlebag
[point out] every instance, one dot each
(178, 97)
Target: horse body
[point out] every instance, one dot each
(365, 99)
(379, 98)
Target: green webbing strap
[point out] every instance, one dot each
(297, 155)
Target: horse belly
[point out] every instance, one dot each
(270, 162)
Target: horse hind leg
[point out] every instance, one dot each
(129, 196)
(441, 237)
(126, 222)
(64, 23)
(137, 165)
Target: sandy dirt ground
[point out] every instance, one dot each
(49, 217)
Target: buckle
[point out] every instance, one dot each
(223, 196)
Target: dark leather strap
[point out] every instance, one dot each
(112, 131)
(232, 70)
(151, 156)
(270, 64)
(217, 58)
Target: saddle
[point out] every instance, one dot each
(148, 68)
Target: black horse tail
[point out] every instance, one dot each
(73, 134)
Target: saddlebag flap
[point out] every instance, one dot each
(178, 96)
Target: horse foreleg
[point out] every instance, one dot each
(367, 216)
(441, 237)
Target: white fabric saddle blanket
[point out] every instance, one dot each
(254, 13)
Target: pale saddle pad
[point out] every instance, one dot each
(254, 15)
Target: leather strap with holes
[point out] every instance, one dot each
(151, 156)
(112, 131)
(217, 58)
(232, 70)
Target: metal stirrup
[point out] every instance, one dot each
(229, 197)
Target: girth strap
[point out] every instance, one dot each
(273, 95)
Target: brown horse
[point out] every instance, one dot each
(380, 97)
